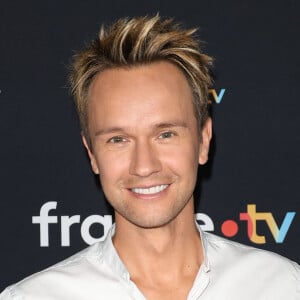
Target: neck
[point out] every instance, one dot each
(174, 249)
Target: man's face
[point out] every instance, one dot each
(144, 141)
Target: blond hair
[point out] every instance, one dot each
(139, 41)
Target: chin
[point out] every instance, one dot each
(152, 222)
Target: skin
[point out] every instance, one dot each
(143, 135)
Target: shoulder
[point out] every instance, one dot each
(77, 268)
(251, 266)
(229, 252)
(237, 251)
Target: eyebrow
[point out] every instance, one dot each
(108, 130)
(155, 126)
(171, 124)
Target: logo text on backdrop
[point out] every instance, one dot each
(229, 228)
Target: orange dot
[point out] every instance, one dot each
(229, 228)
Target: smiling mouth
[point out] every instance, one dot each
(151, 190)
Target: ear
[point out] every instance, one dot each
(206, 135)
(91, 155)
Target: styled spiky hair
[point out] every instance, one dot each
(141, 41)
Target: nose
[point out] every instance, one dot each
(145, 160)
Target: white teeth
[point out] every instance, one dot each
(151, 190)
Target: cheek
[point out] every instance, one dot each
(112, 167)
(183, 159)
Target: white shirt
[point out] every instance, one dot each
(230, 271)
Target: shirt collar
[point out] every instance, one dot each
(111, 256)
(206, 265)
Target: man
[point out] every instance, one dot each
(141, 93)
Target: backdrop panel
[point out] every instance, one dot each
(252, 177)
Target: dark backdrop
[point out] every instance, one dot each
(255, 157)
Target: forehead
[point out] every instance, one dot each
(141, 94)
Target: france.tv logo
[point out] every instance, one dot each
(230, 227)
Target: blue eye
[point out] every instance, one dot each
(166, 135)
(116, 140)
